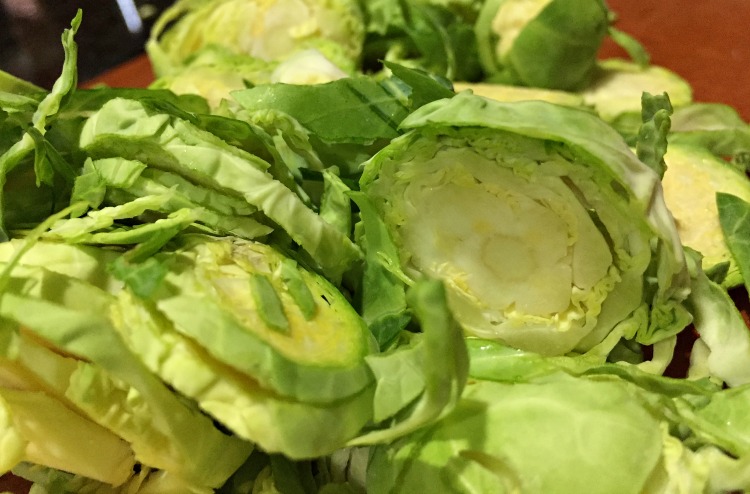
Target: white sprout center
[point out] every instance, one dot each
(515, 243)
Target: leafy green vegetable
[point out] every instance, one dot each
(270, 272)
(533, 424)
(734, 216)
(382, 291)
(543, 43)
(436, 36)
(74, 317)
(524, 217)
(130, 129)
(270, 31)
(715, 127)
(507, 92)
(46, 110)
(348, 120)
(38, 428)
(696, 214)
(358, 109)
(724, 345)
(617, 87)
(214, 73)
(499, 440)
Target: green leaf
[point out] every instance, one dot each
(723, 332)
(126, 129)
(734, 216)
(444, 366)
(63, 87)
(335, 204)
(425, 87)
(383, 293)
(357, 109)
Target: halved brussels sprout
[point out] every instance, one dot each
(546, 239)
(617, 85)
(542, 43)
(266, 30)
(265, 316)
(507, 92)
(693, 177)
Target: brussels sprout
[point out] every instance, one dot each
(617, 85)
(173, 143)
(715, 127)
(267, 30)
(214, 73)
(91, 371)
(542, 43)
(433, 35)
(506, 92)
(692, 179)
(307, 67)
(287, 327)
(546, 239)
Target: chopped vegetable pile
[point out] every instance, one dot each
(389, 247)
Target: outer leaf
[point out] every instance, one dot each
(497, 440)
(734, 216)
(444, 364)
(383, 293)
(474, 149)
(721, 328)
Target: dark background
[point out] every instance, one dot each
(30, 31)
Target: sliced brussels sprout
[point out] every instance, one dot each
(265, 316)
(545, 238)
(35, 427)
(506, 92)
(131, 129)
(617, 86)
(214, 73)
(266, 30)
(307, 67)
(693, 177)
(541, 43)
(716, 127)
(276, 423)
(102, 380)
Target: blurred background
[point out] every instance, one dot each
(706, 42)
(112, 31)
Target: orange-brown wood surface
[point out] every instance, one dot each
(705, 41)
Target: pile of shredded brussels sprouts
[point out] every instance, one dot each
(391, 246)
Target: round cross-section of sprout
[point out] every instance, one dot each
(525, 236)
